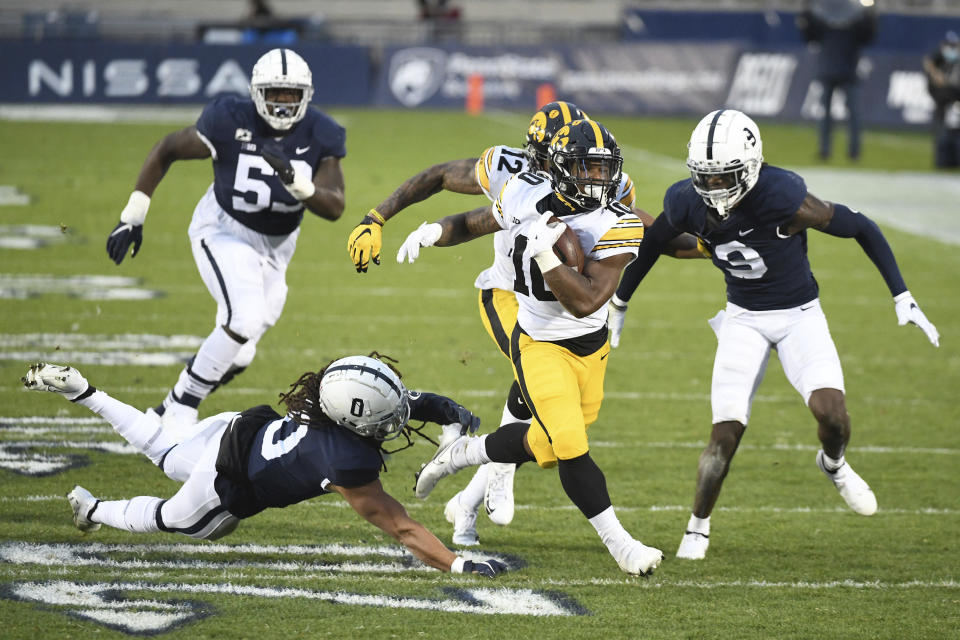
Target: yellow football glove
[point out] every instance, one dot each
(365, 241)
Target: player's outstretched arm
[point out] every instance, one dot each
(683, 247)
(382, 510)
(449, 231)
(366, 239)
(841, 221)
(184, 144)
(327, 200)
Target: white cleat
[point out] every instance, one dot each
(693, 546)
(638, 559)
(855, 491)
(441, 465)
(464, 522)
(498, 498)
(64, 380)
(82, 502)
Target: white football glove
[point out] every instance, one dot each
(540, 240)
(426, 235)
(909, 311)
(616, 314)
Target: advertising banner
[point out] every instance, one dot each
(110, 73)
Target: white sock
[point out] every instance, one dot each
(211, 363)
(610, 530)
(699, 525)
(142, 431)
(138, 515)
(472, 494)
(473, 454)
(832, 464)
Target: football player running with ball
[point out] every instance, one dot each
(492, 484)
(238, 464)
(273, 155)
(558, 346)
(753, 219)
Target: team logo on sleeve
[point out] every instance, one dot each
(243, 135)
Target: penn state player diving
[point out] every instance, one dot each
(237, 464)
(753, 219)
(559, 344)
(273, 155)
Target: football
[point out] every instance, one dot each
(567, 247)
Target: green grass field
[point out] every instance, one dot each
(787, 559)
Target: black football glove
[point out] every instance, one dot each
(120, 239)
(489, 568)
(273, 153)
(430, 407)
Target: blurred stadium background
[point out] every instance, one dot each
(787, 561)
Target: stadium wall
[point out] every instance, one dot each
(646, 78)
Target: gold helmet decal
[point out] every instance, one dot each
(561, 137)
(538, 126)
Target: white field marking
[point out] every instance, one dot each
(110, 358)
(98, 555)
(466, 600)
(94, 113)
(414, 506)
(655, 583)
(776, 447)
(87, 287)
(99, 342)
(921, 203)
(118, 447)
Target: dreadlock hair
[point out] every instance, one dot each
(302, 400)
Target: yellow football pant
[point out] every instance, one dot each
(564, 391)
(498, 311)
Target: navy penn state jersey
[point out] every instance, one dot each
(246, 187)
(763, 267)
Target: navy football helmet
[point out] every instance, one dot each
(585, 164)
(543, 125)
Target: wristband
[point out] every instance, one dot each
(619, 305)
(136, 210)
(547, 260)
(379, 219)
(902, 296)
(457, 565)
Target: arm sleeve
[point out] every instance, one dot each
(654, 240)
(847, 223)
(430, 407)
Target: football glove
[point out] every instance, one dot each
(299, 185)
(489, 568)
(909, 311)
(541, 238)
(130, 228)
(616, 314)
(426, 235)
(365, 242)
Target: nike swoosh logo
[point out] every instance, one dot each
(780, 235)
(604, 356)
(743, 233)
(300, 150)
(807, 307)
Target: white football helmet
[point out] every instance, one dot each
(724, 157)
(281, 69)
(365, 395)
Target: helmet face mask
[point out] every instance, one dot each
(585, 164)
(281, 87)
(544, 125)
(366, 396)
(724, 157)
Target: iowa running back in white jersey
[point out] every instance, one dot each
(559, 344)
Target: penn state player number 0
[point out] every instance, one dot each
(245, 182)
(356, 407)
(743, 261)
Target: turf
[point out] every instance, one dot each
(787, 559)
